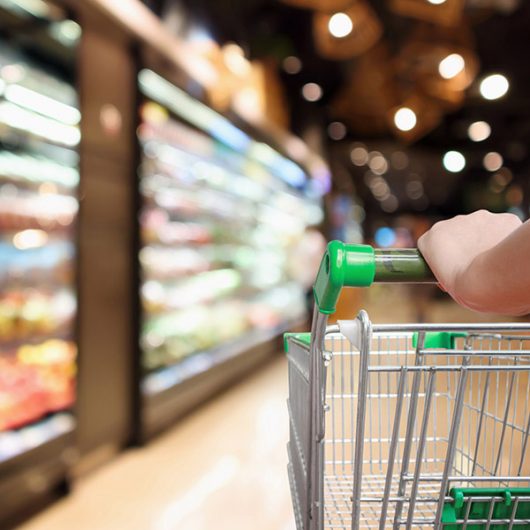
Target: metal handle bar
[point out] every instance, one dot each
(361, 265)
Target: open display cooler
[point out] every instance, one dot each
(220, 213)
(39, 135)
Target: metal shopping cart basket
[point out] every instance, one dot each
(415, 425)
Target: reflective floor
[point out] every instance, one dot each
(222, 468)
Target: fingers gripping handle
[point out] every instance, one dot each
(360, 265)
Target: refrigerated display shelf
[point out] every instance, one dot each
(29, 124)
(8, 346)
(36, 380)
(199, 362)
(170, 338)
(27, 313)
(213, 201)
(193, 171)
(196, 171)
(238, 191)
(193, 290)
(223, 180)
(161, 232)
(168, 395)
(14, 443)
(28, 151)
(38, 470)
(219, 281)
(39, 137)
(234, 277)
(32, 182)
(33, 230)
(193, 206)
(281, 170)
(27, 264)
(40, 204)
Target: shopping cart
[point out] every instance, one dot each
(406, 425)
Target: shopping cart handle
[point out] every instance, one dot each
(361, 265)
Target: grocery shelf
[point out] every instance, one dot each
(34, 463)
(39, 176)
(219, 215)
(166, 378)
(36, 339)
(16, 443)
(174, 391)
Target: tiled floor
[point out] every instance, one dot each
(222, 468)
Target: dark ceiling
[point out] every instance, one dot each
(500, 37)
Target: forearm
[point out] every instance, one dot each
(498, 279)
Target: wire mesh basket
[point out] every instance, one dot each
(415, 426)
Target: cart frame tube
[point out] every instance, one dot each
(362, 392)
(314, 518)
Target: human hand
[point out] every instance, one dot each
(455, 250)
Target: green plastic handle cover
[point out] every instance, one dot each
(346, 265)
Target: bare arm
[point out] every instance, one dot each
(482, 260)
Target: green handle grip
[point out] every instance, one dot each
(361, 265)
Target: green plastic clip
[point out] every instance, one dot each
(438, 339)
(481, 499)
(304, 338)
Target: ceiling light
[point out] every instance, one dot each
(378, 164)
(359, 155)
(405, 119)
(312, 92)
(436, 2)
(493, 161)
(494, 86)
(380, 188)
(340, 25)
(451, 66)
(454, 161)
(479, 131)
(292, 64)
(235, 60)
(337, 130)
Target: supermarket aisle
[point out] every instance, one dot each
(223, 467)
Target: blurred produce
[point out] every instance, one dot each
(35, 381)
(27, 314)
